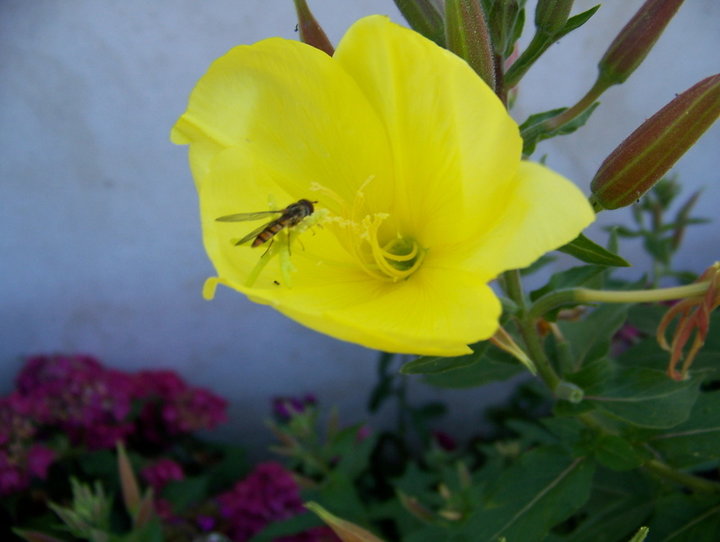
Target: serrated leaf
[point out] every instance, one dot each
(576, 21)
(533, 131)
(544, 487)
(647, 398)
(430, 365)
(588, 251)
(695, 441)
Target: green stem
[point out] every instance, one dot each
(569, 114)
(586, 295)
(528, 331)
(688, 480)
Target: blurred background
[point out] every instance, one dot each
(100, 246)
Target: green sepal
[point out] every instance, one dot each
(588, 251)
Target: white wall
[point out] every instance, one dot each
(100, 249)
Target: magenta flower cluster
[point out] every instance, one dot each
(268, 494)
(95, 407)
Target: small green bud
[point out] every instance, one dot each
(503, 21)
(568, 391)
(635, 40)
(310, 30)
(651, 150)
(467, 36)
(551, 15)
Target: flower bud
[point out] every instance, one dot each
(651, 150)
(310, 30)
(635, 40)
(551, 15)
(467, 36)
(423, 17)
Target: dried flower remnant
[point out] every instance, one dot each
(693, 316)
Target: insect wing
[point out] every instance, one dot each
(252, 235)
(246, 217)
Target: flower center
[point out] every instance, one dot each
(393, 260)
(359, 230)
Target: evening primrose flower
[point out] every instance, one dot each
(413, 167)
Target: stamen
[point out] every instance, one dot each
(395, 260)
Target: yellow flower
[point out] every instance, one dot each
(415, 167)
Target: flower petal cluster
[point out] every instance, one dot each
(269, 493)
(414, 165)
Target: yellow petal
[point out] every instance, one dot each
(434, 312)
(454, 146)
(295, 109)
(544, 212)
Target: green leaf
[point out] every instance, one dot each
(590, 338)
(588, 251)
(353, 455)
(695, 441)
(679, 517)
(619, 504)
(616, 453)
(429, 365)
(647, 398)
(576, 21)
(494, 366)
(544, 487)
(533, 131)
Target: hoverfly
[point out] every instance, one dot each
(290, 216)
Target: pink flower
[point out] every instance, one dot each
(158, 474)
(269, 493)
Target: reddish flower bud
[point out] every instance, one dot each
(651, 150)
(635, 40)
(310, 30)
(467, 36)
